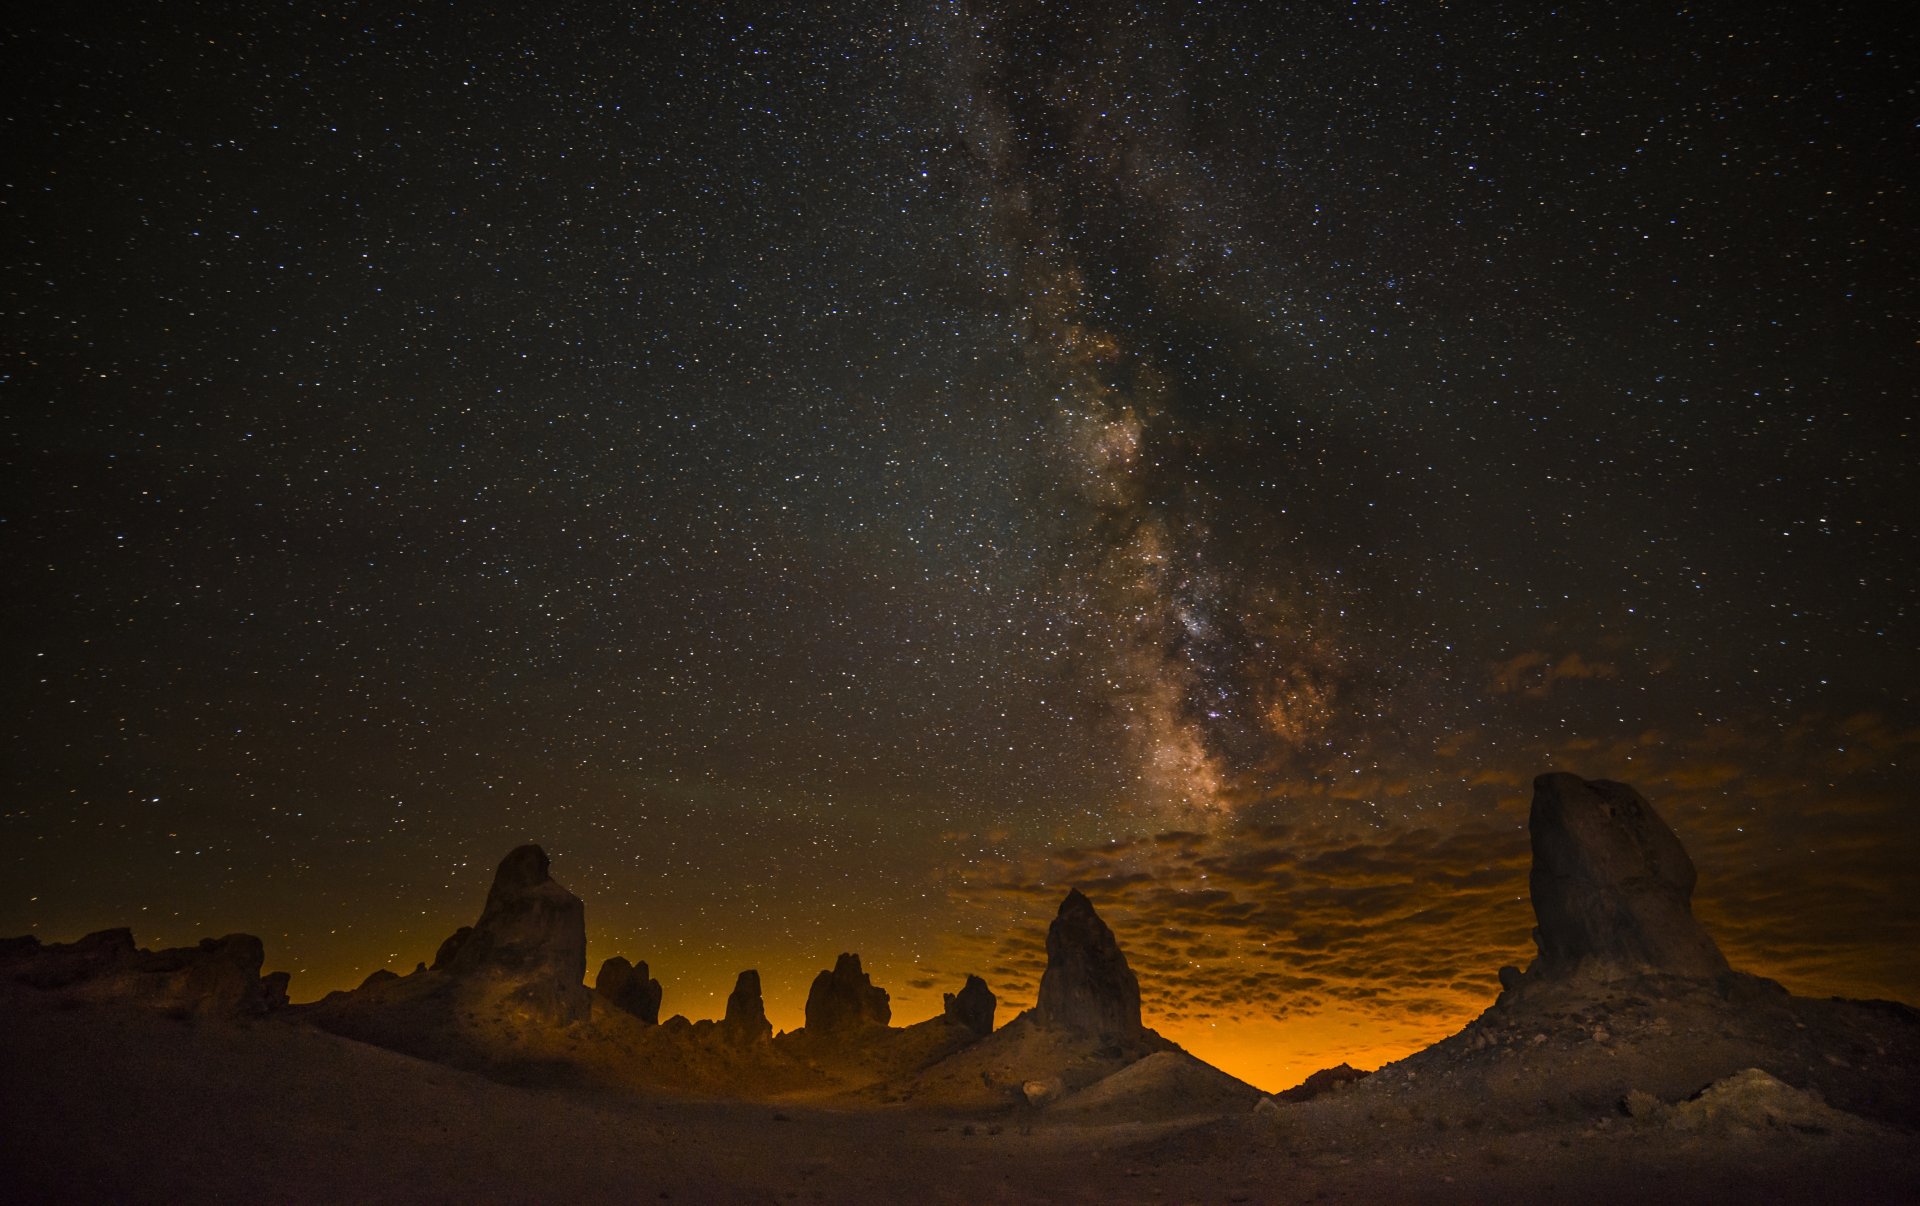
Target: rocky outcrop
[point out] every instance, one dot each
(1087, 987)
(220, 977)
(846, 999)
(1323, 1082)
(628, 987)
(450, 948)
(1612, 887)
(746, 1017)
(531, 939)
(972, 1006)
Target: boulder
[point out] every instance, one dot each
(1612, 887)
(628, 987)
(746, 1019)
(846, 999)
(1042, 1093)
(1087, 987)
(972, 1006)
(531, 936)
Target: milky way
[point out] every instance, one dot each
(835, 479)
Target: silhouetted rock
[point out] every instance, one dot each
(273, 989)
(218, 977)
(58, 964)
(1087, 987)
(1612, 887)
(450, 948)
(378, 976)
(746, 1019)
(1325, 1081)
(532, 934)
(846, 999)
(972, 1006)
(628, 987)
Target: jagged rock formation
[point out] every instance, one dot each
(746, 1018)
(972, 1006)
(219, 977)
(846, 999)
(1087, 987)
(1319, 1084)
(523, 961)
(532, 936)
(1612, 887)
(628, 987)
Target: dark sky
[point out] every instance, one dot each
(838, 480)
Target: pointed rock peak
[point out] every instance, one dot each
(1612, 886)
(746, 1018)
(972, 1006)
(846, 998)
(1087, 987)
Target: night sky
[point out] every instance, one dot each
(837, 480)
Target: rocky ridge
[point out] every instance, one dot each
(219, 977)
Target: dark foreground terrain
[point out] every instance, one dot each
(108, 1103)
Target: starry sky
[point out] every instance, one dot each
(837, 478)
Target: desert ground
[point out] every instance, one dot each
(109, 1103)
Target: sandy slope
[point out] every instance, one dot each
(104, 1103)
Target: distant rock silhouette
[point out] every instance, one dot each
(1087, 987)
(846, 999)
(218, 977)
(532, 935)
(746, 1017)
(379, 975)
(627, 986)
(972, 1006)
(1326, 1080)
(1612, 887)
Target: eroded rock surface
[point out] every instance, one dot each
(628, 987)
(846, 998)
(746, 1018)
(532, 934)
(973, 1006)
(1087, 987)
(218, 977)
(1612, 887)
